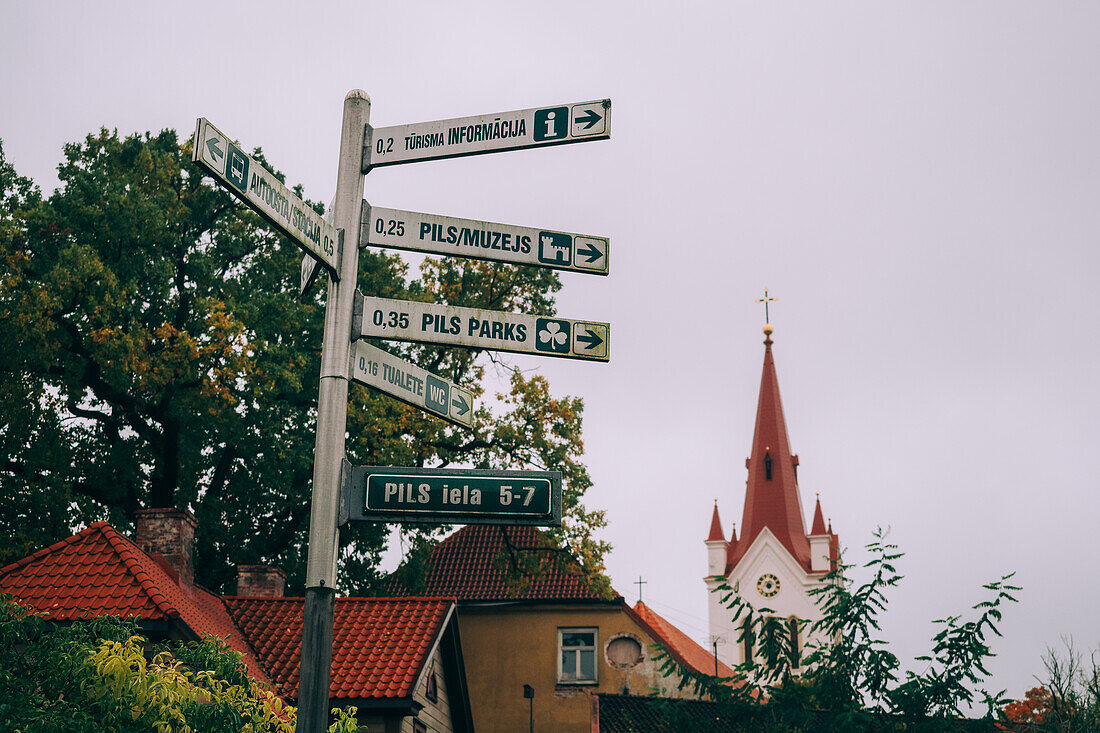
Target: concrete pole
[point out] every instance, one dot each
(332, 411)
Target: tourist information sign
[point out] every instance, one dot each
(451, 496)
(483, 240)
(493, 133)
(265, 194)
(409, 383)
(474, 328)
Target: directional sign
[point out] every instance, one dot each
(411, 384)
(452, 496)
(524, 128)
(474, 328)
(483, 240)
(265, 194)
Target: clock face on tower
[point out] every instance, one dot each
(767, 585)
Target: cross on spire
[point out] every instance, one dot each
(765, 300)
(639, 582)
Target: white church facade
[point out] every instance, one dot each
(775, 562)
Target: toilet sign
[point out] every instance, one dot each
(559, 124)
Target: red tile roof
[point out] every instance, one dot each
(479, 562)
(771, 501)
(99, 572)
(379, 645)
(681, 646)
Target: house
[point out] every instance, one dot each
(537, 641)
(775, 563)
(398, 660)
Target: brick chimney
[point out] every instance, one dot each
(168, 535)
(260, 581)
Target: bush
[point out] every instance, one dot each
(99, 674)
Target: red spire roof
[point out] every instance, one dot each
(99, 572)
(819, 520)
(715, 526)
(379, 645)
(771, 498)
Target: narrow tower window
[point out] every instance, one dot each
(795, 652)
(767, 466)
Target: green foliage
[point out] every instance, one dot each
(100, 675)
(850, 679)
(158, 355)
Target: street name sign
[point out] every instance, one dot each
(493, 133)
(409, 383)
(244, 177)
(474, 328)
(483, 240)
(451, 496)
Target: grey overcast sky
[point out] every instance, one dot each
(917, 182)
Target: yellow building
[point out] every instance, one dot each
(538, 646)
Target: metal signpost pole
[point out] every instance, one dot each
(332, 407)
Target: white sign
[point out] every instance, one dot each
(483, 240)
(524, 128)
(411, 384)
(474, 328)
(265, 194)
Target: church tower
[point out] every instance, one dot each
(775, 562)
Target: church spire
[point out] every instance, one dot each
(771, 497)
(715, 526)
(819, 519)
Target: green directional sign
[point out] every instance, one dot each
(265, 194)
(561, 124)
(451, 496)
(475, 328)
(484, 240)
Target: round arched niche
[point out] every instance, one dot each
(624, 651)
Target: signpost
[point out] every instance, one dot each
(411, 384)
(245, 178)
(343, 493)
(561, 124)
(445, 496)
(474, 328)
(483, 240)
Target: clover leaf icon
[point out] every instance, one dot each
(553, 332)
(553, 335)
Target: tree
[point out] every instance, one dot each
(159, 356)
(1068, 697)
(852, 680)
(100, 675)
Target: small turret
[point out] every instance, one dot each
(819, 538)
(716, 545)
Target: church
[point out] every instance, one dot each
(775, 562)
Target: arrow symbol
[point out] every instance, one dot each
(591, 338)
(590, 118)
(212, 146)
(461, 404)
(590, 252)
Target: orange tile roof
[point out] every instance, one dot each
(473, 565)
(99, 572)
(379, 645)
(681, 646)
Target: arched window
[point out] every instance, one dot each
(746, 640)
(767, 466)
(793, 648)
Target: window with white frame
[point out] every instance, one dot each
(577, 655)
